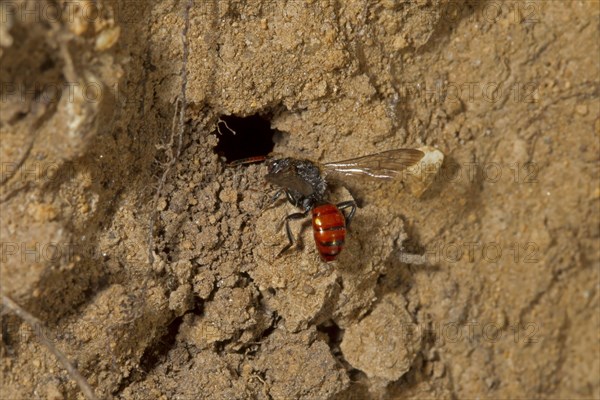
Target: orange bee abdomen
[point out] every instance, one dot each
(329, 228)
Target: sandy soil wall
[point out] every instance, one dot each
(153, 266)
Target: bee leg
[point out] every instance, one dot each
(348, 204)
(276, 196)
(273, 199)
(290, 198)
(288, 231)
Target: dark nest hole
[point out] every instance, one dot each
(244, 137)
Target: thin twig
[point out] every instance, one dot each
(38, 328)
(181, 106)
(227, 126)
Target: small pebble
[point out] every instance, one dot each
(438, 370)
(308, 289)
(581, 109)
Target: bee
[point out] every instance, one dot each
(305, 185)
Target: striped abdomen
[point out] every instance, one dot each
(329, 227)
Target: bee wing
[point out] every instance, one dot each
(290, 180)
(385, 165)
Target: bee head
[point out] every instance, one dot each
(278, 167)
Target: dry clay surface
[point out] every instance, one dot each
(154, 267)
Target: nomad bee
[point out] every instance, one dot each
(305, 186)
